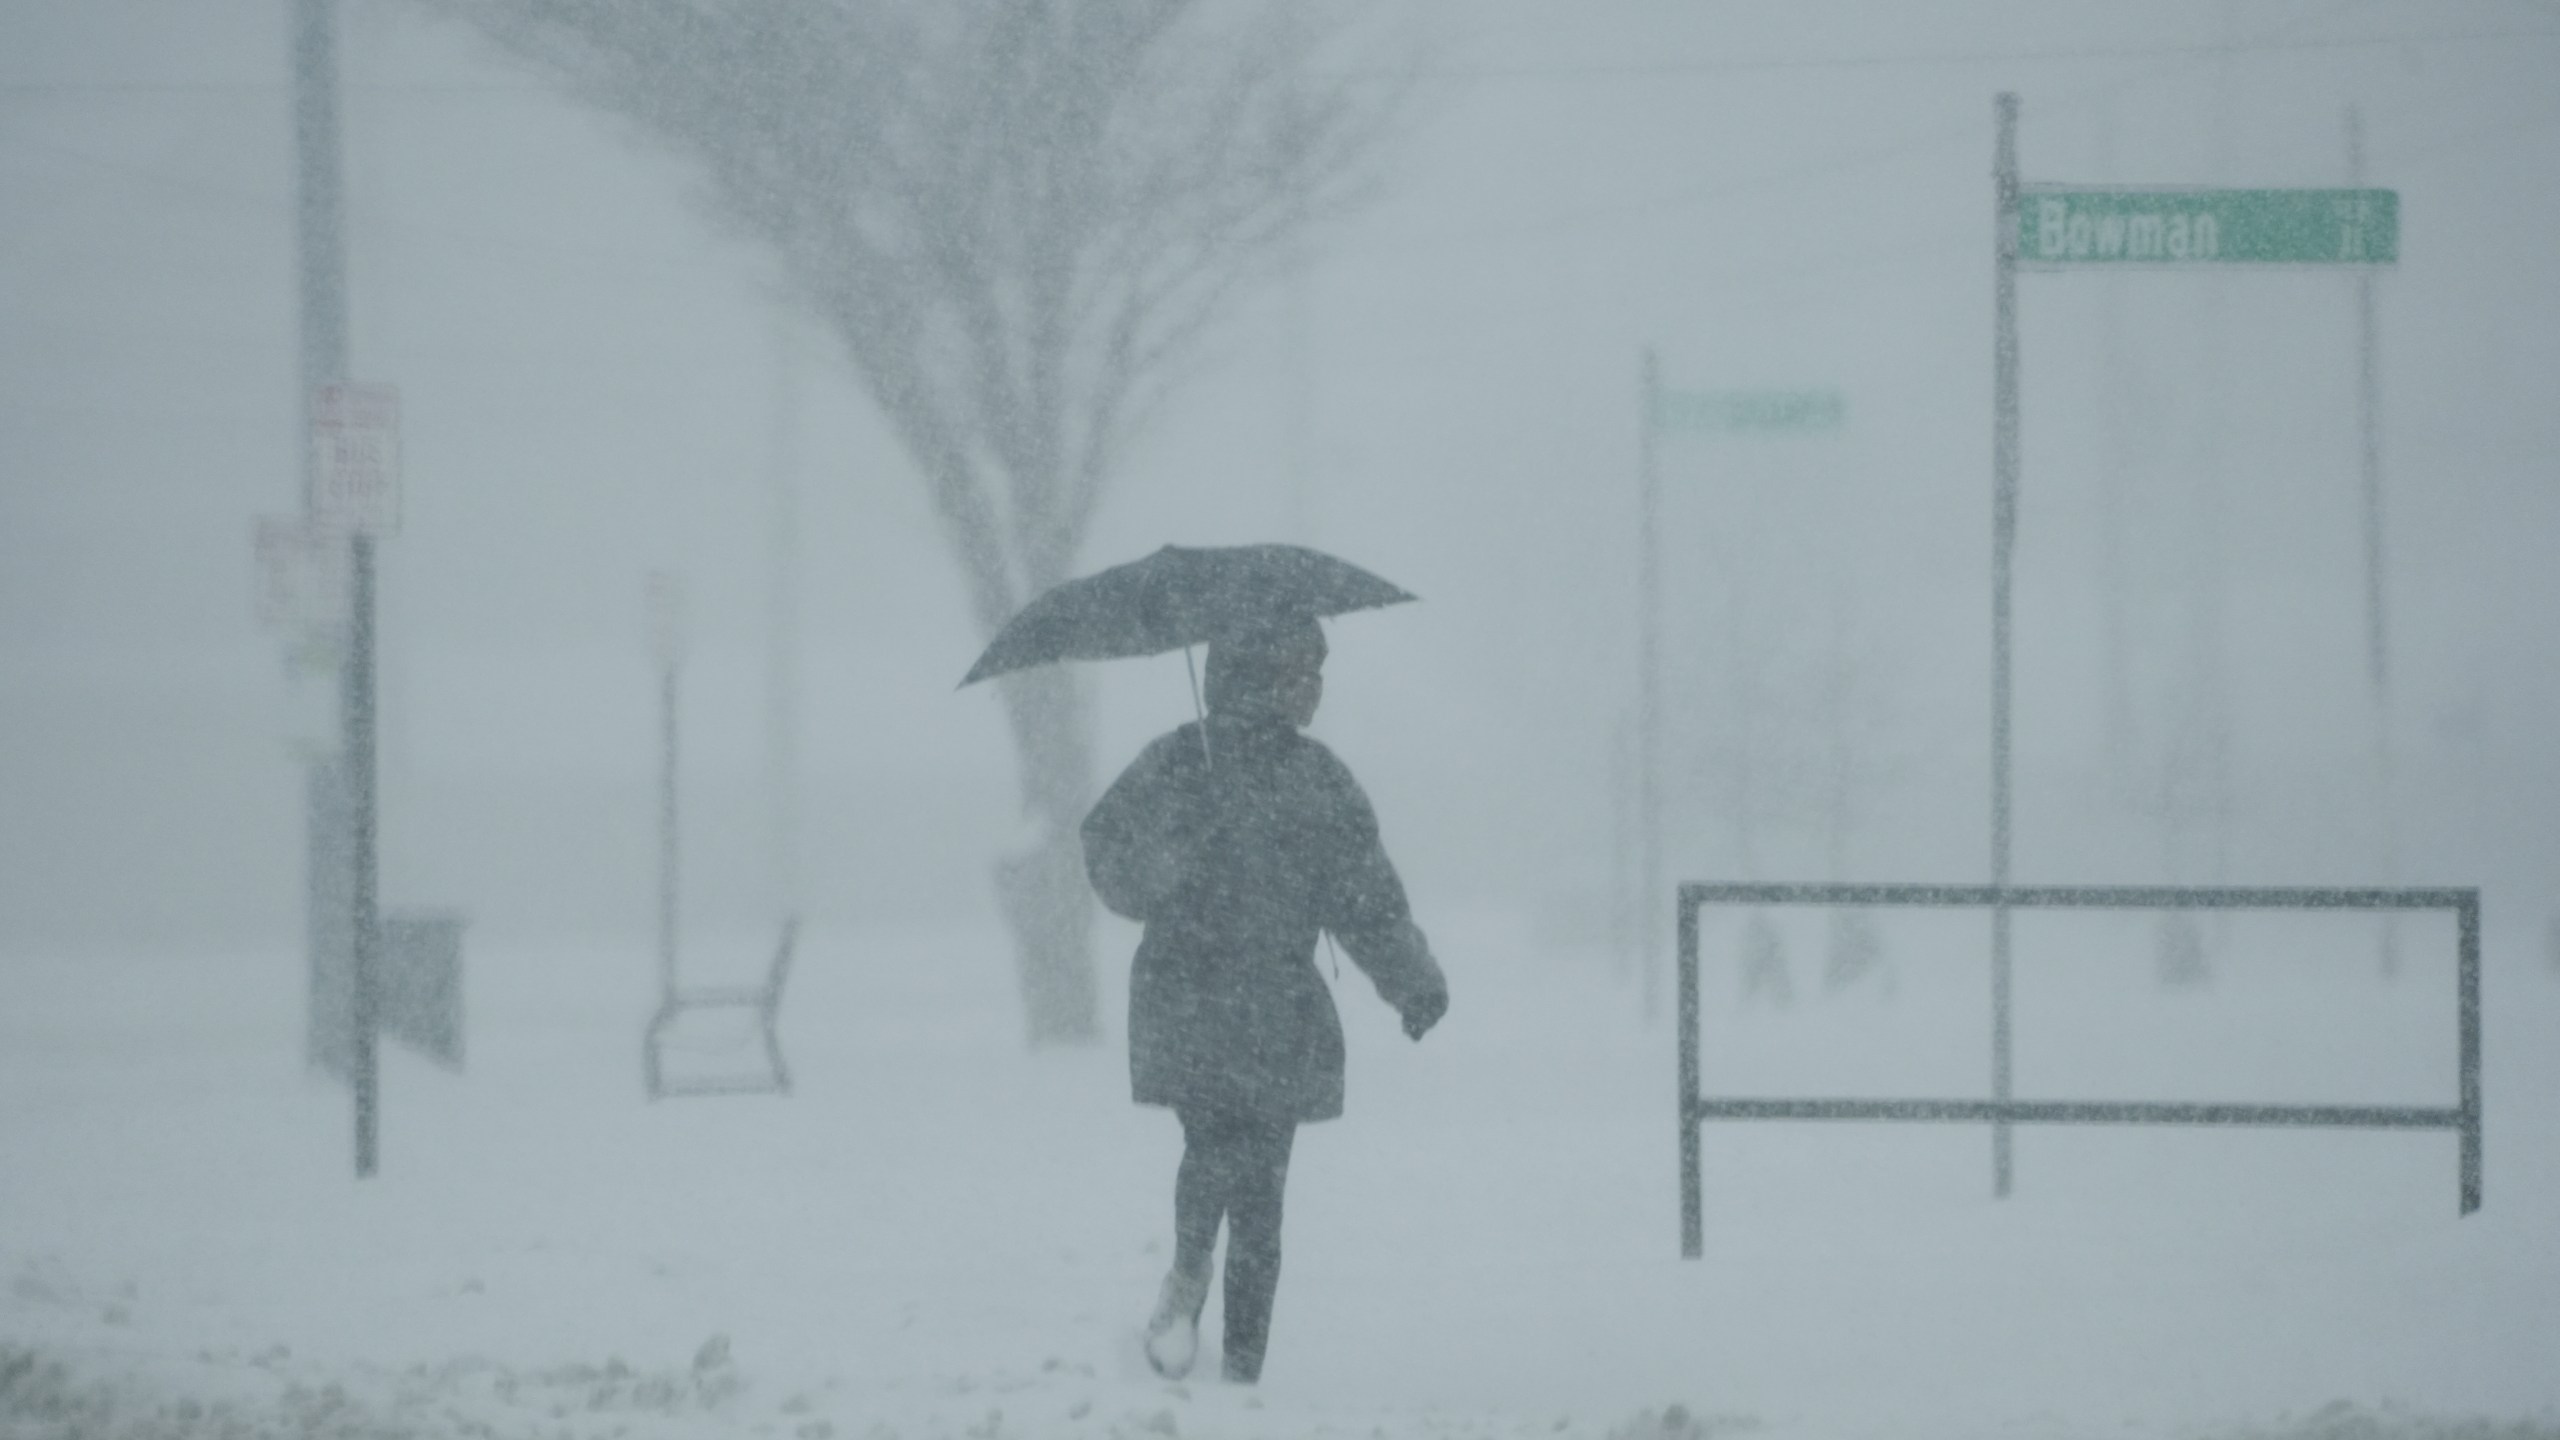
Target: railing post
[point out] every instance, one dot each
(2004, 536)
(1692, 1201)
(2002, 1111)
(2468, 919)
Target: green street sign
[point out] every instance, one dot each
(2068, 225)
(1789, 412)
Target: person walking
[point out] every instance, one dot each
(1235, 840)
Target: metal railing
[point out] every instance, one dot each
(2002, 1111)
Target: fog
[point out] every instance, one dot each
(601, 378)
(598, 380)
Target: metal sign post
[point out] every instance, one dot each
(665, 600)
(321, 297)
(355, 492)
(2004, 539)
(368, 929)
(2055, 227)
(317, 580)
(2377, 631)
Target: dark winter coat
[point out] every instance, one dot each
(1234, 861)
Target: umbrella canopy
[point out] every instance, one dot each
(1178, 596)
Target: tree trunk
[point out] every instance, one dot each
(1041, 886)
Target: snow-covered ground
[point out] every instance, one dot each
(941, 1235)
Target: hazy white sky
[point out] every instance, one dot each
(597, 381)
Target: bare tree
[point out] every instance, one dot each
(1018, 217)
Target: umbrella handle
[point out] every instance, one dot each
(1198, 710)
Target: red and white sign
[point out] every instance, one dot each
(302, 577)
(355, 458)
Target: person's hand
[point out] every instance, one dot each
(1424, 1011)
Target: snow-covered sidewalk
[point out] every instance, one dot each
(940, 1235)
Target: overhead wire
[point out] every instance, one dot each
(1670, 69)
(2282, 38)
(275, 204)
(1683, 69)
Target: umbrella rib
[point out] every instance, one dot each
(1199, 709)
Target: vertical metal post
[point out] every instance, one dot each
(667, 830)
(2114, 459)
(2468, 920)
(2377, 650)
(321, 305)
(368, 930)
(2368, 407)
(782, 629)
(2212, 542)
(1649, 684)
(1692, 1197)
(320, 238)
(2004, 531)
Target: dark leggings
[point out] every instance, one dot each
(1234, 1166)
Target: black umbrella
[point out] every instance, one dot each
(1175, 598)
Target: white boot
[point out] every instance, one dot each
(1173, 1332)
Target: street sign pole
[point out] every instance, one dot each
(368, 930)
(667, 829)
(2377, 631)
(2064, 227)
(355, 473)
(2004, 535)
(322, 296)
(782, 626)
(2368, 405)
(665, 604)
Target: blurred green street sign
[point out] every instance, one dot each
(2068, 225)
(1775, 412)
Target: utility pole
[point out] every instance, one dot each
(339, 799)
(320, 208)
